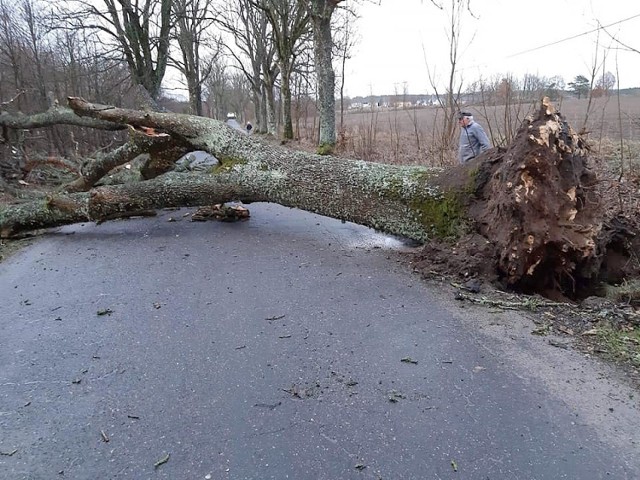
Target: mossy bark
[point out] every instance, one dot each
(370, 194)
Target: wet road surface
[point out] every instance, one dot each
(290, 346)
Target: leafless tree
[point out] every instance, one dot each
(138, 31)
(321, 14)
(216, 87)
(449, 100)
(254, 53)
(193, 20)
(289, 20)
(12, 49)
(344, 40)
(33, 21)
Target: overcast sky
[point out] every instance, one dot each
(401, 40)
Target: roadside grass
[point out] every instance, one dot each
(620, 344)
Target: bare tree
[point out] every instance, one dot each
(254, 53)
(344, 40)
(321, 14)
(216, 89)
(449, 100)
(12, 49)
(138, 31)
(193, 19)
(606, 82)
(33, 21)
(289, 21)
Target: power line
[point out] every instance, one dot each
(573, 37)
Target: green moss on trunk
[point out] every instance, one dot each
(442, 217)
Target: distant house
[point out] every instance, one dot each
(368, 105)
(403, 104)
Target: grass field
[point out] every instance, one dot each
(413, 135)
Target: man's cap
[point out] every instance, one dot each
(461, 115)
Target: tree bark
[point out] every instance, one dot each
(534, 202)
(321, 12)
(56, 115)
(162, 152)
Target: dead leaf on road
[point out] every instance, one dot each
(593, 331)
(409, 360)
(162, 461)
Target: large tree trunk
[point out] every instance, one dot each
(534, 202)
(321, 12)
(285, 93)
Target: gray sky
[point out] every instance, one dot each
(401, 40)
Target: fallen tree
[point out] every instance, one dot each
(535, 202)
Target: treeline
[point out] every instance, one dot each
(253, 58)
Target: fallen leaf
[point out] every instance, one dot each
(564, 329)
(162, 461)
(270, 406)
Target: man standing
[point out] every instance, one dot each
(473, 140)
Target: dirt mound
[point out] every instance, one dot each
(464, 259)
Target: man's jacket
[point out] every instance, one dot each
(473, 140)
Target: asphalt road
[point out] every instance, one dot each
(290, 346)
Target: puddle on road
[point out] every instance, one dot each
(377, 240)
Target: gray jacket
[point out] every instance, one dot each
(473, 140)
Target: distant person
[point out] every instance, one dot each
(473, 140)
(249, 127)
